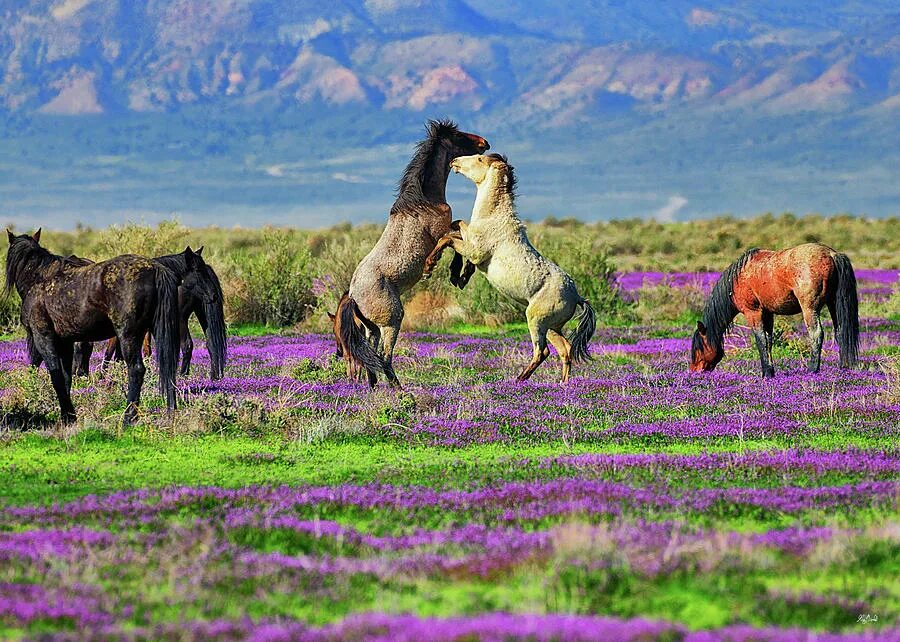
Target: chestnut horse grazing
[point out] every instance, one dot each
(66, 301)
(419, 217)
(495, 242)
(763, 283)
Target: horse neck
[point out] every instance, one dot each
(435, 174)
(492, 201)
(33, 271)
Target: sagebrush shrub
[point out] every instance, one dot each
(273, 284)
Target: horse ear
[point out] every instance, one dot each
(701, 328)
(37, 236)
(199, 251)
(11, 237)
(330, 316)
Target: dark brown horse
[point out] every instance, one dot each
(419, 217)
(65, 301)
(200, 294)
(763, 283)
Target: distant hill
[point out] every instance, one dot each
(301, 111)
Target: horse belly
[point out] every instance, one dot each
(777, 298)
(84, 325)
(510, 278)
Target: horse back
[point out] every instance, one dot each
(786, 281)
(88, 302)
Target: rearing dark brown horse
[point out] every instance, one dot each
(763, 283)
(419, 217)
(66, 301)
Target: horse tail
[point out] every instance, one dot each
(846, 306)
(216, 342)
(353, 339)
(581, 336)
(166, 331)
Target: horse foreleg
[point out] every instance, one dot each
(443, 243)
(754, 319)
(187, 347)
(51, 355)
(768, 325)
(112, 352)
(34, 355)
(816, 336)
(389, 336)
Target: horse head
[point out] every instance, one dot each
(458, 143)
(478, 167)
(704, 355)
(197, 278)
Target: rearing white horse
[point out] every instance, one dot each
(496, 242)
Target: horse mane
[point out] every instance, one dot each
(174, 262)
(720, 309)
(512, 181)
(22, 256)
(409, 189)
(178, 264)
(210, 275)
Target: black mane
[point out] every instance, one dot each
(409, 189)
(178, 264)
(174, 262)
(512, 181)
(720, 310)
(22, 256)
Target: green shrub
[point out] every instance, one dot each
(9, 312)
(273, 283)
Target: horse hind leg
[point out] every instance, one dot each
(832, 311)
(389, 335)
(82, 358)
(816, 337)
(540, 351)
(131, 351)
(564, 349)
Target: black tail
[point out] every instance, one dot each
(846, 306)
(355, 341)
(216, 343)
(581, 336)
(166, 332)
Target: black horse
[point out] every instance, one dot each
(199, 293)
(65, 301)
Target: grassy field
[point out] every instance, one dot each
(639, 502)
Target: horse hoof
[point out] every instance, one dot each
(67, 418)
(769, 374)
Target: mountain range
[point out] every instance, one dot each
(300, 112)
